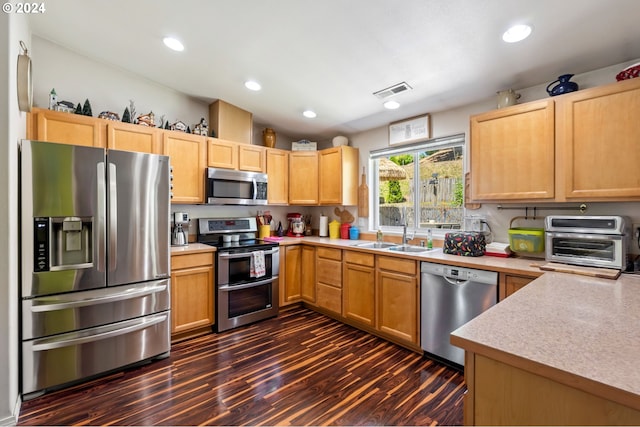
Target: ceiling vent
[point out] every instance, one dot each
(393, 90)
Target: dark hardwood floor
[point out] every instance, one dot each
(299, 369)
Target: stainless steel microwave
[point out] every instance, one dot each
(231, 187)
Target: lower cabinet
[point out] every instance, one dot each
(510, 283)
(359, 291)
(308, 275)
(398, 289)
(290, 272)
(329, 279)
(500, 393)
(192, 295)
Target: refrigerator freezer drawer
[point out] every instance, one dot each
(54, 361)
(56, 314)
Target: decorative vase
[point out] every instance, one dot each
(269, 138)
(563, 86)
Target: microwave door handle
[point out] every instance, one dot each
(113, 217)
(255, 189)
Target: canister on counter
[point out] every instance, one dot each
(354, 233)
(344, 230)
(334, 229)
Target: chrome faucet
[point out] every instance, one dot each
(404, 227)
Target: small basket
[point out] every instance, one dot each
(526, 239)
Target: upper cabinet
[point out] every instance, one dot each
(598, 137)
(338, 176)
(303, 178)
(66, 128)
(130, 137)
(231, 155)
(230, 122)
(278, 173)
(187, 154)
(581, 146)
(512, 153)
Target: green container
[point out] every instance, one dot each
(524, 239)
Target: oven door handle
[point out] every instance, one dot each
(229, 288)
(245, 254)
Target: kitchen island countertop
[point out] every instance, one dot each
(580, 331)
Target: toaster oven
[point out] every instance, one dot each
(592, 241)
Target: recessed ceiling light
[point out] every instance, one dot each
(309, 114)
(516, 33)
(391, 105)
(252, 85)
(173, 44)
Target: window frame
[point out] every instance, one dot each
(457, 140)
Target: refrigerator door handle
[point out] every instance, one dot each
(81, 337)
(101, 220)
(62, 303)
(113, 217)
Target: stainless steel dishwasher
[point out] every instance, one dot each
(450, 297)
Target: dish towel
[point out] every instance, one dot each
(257, 268)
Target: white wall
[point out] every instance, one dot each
(457, 121)
(77, 78)
(12, 128)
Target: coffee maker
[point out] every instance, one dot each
(180, 237)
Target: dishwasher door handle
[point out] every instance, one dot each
(455, 281)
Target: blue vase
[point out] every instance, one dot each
(563, 86)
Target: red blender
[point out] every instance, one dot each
(296, 225)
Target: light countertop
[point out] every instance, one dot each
(191, 248)
(582, 331)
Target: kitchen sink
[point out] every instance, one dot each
(375, 245)
(409, 248)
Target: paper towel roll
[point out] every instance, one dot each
(324, 226)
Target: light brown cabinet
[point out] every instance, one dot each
(338, 176)
(513, 153)
(231, 155)
(303, 178)
(130, 137)
(329, 279)
(399, 298)
(510, 283)
(230, 122)
(358, 282)
(502, 393)
(222, 154)
(289, 280)
(308, 275)
(66, 128)
(187, 153)
(598, 137)
(278, 173)
(580, 146)
(192, 294)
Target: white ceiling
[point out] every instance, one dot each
(331, 55)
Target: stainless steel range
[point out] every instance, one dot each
(247, 271)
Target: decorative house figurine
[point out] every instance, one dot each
(53, 99)
(178, 126)
(147, 120)
(109, 115)
(201, 128)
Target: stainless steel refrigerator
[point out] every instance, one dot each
(95, 262)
